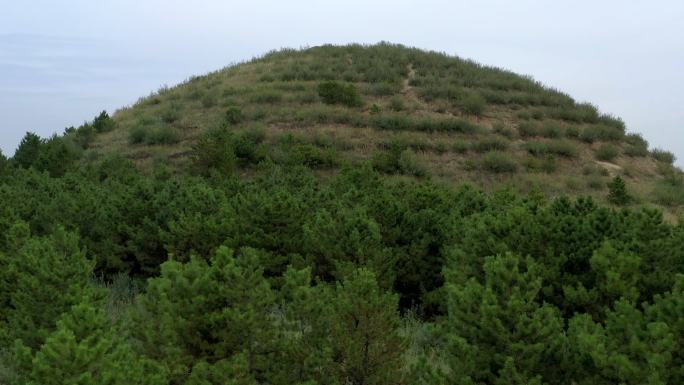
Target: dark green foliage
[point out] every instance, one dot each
(41, 278)
(364, 332)
(28, 151)
(103, 123)
(4, 163)
(499, 325)
(339, 93)
(200, 314)
(617, 192)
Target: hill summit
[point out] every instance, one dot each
(407, 111)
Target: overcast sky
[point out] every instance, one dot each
(61, 62)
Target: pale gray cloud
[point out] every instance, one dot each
(62, 62)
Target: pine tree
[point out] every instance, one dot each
(364, 332)
(43, 278)
(86, 350)
(305, 349)
(627, 349)
(617, 192)
(28, 151)
(498, 326)
(614, 275)
(4, 163)
(207, 312)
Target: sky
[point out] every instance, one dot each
(63, 62)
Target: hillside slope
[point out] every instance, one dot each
(417, 113)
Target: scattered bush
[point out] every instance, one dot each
(401, 122)
(397, 103)
(398, 158)
(266, 97)
(563, 148)
(332, 92)
(409, 165)
(474, 104)
(233, 115)
(537, 148)
(528, 130)
(557, 147)
(545, 164)
(162, 136)
(137, 134)
(501, 129)
(382, 89)
(603, 133)
(170, 114)
(460, 147)
(490, 144)
(669, 195)
(572, 132)
(663, 156)
(638, 146)
(498, 162)
(551, 130)
(607, 152)
(595, 182)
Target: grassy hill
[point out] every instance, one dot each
(409, 112)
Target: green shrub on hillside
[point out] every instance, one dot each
(162, 136)
(474, 104)
(333, 92)
(600, 133)
(663, 156)
(498, 162)
(137, 134)
(551, 130)
(607, 152)
(490, 144)
(234, 115)
(397, 103)
(528, 130)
